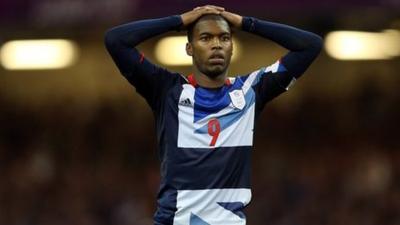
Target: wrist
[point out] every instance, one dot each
(248, 23)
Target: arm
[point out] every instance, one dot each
(120, 42)
(149, 79)
(303, 48)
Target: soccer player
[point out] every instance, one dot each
(205, 121)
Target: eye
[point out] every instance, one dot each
(226, 38)
(204, 38)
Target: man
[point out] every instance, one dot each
(205, 121)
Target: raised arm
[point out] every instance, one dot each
(120, 41)
(303, 48)
(149, 80)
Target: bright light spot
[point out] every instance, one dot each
(38, 54)
(392, 39)
(355, 45)
(171, 51)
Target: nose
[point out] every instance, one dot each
(216, 43)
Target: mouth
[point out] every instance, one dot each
(216, 58)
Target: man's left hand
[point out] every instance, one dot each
(234, 19)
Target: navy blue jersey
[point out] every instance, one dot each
(205, 135)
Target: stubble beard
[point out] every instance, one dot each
(212, 71)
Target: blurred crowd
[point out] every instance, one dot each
(324, 161)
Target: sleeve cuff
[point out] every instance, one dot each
(249, 24)
(178, 22)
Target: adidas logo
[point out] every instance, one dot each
(186, 102)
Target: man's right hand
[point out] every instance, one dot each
(191, 16)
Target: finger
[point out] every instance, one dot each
(217, 7)
(225, 14)
(209, 7)
(209, 10)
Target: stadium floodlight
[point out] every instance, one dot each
(171, 51)
(38, 54)
(356, 45)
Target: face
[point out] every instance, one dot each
(211, 47)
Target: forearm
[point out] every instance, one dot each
(131, 34)
(292, 38)
(304, 46)
(148, 78)
(120, 42)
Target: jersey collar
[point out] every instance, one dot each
(193, 81)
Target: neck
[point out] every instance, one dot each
(209, 82)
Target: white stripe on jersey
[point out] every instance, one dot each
(205, 205)
(240, 133)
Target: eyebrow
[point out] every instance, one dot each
(220, 34)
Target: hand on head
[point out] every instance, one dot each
(193, 15)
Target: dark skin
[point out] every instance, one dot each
(211, 47)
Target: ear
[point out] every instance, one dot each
(189, 49)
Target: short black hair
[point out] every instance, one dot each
(191, 26)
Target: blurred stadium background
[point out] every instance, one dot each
(77, 143)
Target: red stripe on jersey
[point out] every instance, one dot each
(141, 57)
(192, 81)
